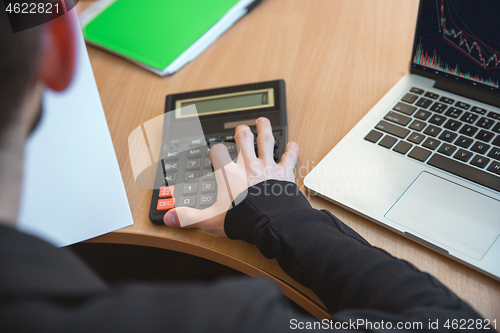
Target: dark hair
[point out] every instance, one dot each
(19, 60)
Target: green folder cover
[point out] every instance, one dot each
(154, 32)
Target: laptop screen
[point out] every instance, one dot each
(460, 40)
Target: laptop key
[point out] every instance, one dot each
(462, 105)
(494, 167)
(417, 125)
(419, 154)
(485, 123)
(480, 161)
(437, 119)
(446, 100)
(468, 130)
(464, 142)
(465, 171)
(494, 115)
(494, 153)
(463, 155)
(416, 138)
(485, 136)
(453, 112)
(422, 114)
(431, 95)
(388, 141)
(496, 128)
(405, 108)
(373, 136)
(397, 118)
(438, 107)
(417, 91)
(453, 125)
(409, 98)
(424, 102)
(446, 149)
(392, 129)
(431, 143)
(432, 130)
(478, 110)
(496, 142)
(448, 136)
(402, 147)
(480, 147)
(469, 117)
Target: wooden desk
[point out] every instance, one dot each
(338, 59)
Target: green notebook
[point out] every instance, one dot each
(159, 35)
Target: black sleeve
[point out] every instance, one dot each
(355, 280)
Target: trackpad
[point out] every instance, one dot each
(450, 214)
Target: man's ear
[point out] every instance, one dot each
(58, 52)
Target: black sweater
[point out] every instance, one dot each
(45, 289)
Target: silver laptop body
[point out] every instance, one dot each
(431, 176)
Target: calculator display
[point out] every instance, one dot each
(239, 101)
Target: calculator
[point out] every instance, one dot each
(185, 176)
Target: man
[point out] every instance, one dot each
(43, 288)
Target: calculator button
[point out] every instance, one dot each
(170, 179)
(165, 204)
(208, 186)
(166, 192)
(169, 167)
(171, 155)
(192, 175)
(187, 201)
(208, 162)
(193, 164)
(190, 188)
(206, 200)
(208, 174)
(196, 152)
(196, 142)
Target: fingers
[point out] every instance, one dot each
(265, 139)
(219, 156)
(244, 139)
(289, 158)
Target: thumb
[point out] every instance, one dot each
(183, 217)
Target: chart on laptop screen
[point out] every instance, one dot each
(460, 40)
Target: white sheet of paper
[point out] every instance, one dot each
(72, 187)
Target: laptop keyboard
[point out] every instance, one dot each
(445, 133)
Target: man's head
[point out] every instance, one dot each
(29, 61)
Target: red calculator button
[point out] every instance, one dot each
(165, 204)
(166, 191)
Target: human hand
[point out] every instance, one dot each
(235, 178)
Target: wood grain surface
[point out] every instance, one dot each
(338, 59)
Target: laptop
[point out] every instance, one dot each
(425, 160)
